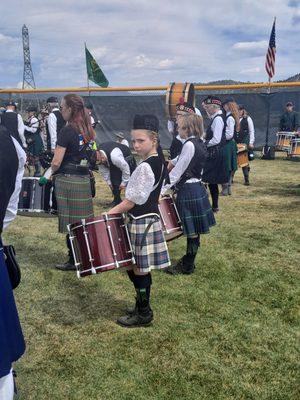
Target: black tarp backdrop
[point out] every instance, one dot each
(116, 110)
(116, 113)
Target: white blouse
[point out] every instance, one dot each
(141, 184)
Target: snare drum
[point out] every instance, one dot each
(242, 155)
(170, 220)
(100, 244)
(295, 148)
(36, 200)
(283, 141)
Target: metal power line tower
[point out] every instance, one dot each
(28, 79)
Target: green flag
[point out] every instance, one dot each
(94, 72)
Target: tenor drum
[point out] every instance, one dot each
(176, 92)
(242, 155)
(295, 148)
(36, 200)
(283, 141)
(100, 244)
(170, 220)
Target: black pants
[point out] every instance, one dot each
(117, 194)
(214, 191)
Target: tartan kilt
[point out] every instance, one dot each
(231, 156)
(154, 253)
(74, 199)
(214, 170)
(194, 209)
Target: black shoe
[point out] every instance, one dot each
(215, 209)
(247, 183)
(66, 267)
(180, 268)
(135, 320)
(175, 269)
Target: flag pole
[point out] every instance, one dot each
(87, 75)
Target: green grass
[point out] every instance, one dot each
(229, 331)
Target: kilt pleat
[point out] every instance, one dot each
(154, 253)
(74, 199)
(194, 209)
(214, 170)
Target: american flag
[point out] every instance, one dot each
(270, 57)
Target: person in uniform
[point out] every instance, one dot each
(33, 138)
(289, 121)
(55, 123)
(12, 344)
(116, 164)
(121, 138)
(215, 171)
(70, 169)
(232, 123)
(141, 204)
(192, 201)
(13, 122)
(176, 145)
(246, 135)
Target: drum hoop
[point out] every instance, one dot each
(104, 266)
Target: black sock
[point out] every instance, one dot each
(192, 246)
(142, 284)
(214, 191)
(131, 275)
(70, 253)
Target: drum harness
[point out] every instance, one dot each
(155, 217)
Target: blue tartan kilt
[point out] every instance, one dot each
(153, 252)
(194, 209)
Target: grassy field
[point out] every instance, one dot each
(229, 331)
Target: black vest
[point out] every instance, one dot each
(115, 172)
(243, 135)
(210, 134)
(151, 205)
(8, 171)
(196, 165)
(10, 121)
(60, 123)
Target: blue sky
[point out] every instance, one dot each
(143, 42)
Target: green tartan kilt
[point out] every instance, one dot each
(74, 199)
(231, 156)
(35, 146)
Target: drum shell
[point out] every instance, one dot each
(176, 92)
(242, 155)
(170, 220)
(35, 199)
(93, 236)
(295, 148)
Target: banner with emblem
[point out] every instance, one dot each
(94, 72)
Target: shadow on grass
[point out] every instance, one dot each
(78, 302)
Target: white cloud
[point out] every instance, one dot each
(147, 43)
(248, 46)
(167, 63)
(248, 71)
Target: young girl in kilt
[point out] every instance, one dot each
(69, 165)
(232, 124)
(141, 204)
(192, 200)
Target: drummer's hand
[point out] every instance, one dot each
(250, 146)
(122, 187)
